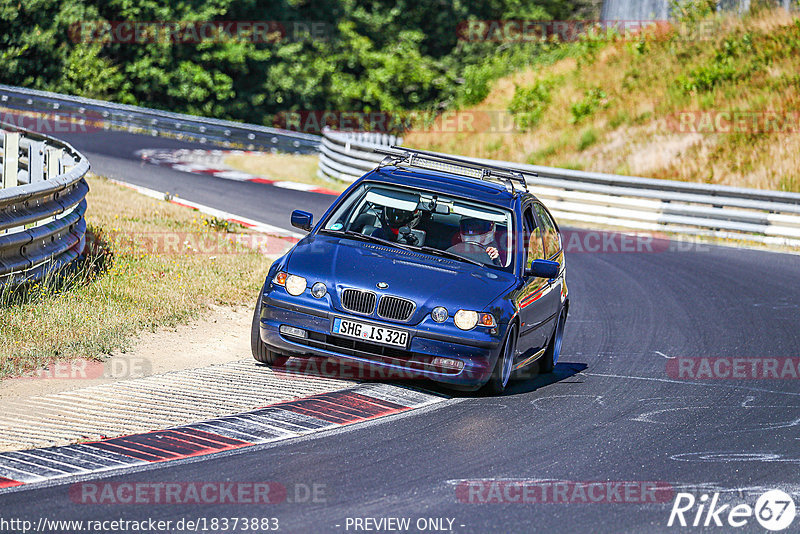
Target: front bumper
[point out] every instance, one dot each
(477, 349)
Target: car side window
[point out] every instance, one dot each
(534, 248)
(552, 240)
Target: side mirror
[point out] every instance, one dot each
(302, 220)
(545, 269)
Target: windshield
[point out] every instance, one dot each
(434, 223)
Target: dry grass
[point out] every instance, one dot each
(288, 167)
(632, 127)
(129, 285)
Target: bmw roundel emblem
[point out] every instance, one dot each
(382, 285)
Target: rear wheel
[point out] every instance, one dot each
(257, 347)
(550, 356)
(501, 375)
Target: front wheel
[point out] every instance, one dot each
(550, 357)
(501, 375)
(257, 347)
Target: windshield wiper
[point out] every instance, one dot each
(372, 238)
(451, 255)
(364, 237)
(428, 250)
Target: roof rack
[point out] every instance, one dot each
(408, 157)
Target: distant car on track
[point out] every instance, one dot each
(430, 265)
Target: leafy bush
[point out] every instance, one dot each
(403, 55)
(734, 59)
(529, 103)
(692, 11)
(593, 99)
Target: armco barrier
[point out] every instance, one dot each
(108, 115)
(42, 202)
(771, 217)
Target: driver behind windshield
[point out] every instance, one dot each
(477, 240)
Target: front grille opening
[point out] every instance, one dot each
(369, 348)
(395, 308)
(358, 301)
(371, 351)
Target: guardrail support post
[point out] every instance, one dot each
(52, 161)
(35, 162)
(10, 159)
(66, 163)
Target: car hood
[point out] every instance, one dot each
(427, 280)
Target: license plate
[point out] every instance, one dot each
(371, 333)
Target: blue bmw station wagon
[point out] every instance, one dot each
(429, 265)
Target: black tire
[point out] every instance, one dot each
(503, 369)
(550, 356)
(260, 351)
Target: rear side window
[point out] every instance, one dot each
(533, 238)
(552, 241)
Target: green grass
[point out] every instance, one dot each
(588, 138)
(127, 284)
(615, 101)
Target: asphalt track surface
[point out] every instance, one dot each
(112, 154)
(610, 412)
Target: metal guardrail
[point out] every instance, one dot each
(42, 203)
(647, 204)
(109, 115)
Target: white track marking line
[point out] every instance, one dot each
(297, 186)
(234, 175)
(255, 225)
(688, 383)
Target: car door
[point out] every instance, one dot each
(533, 316)
(550, 301)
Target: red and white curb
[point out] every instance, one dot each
(211, 163)
(276, 422)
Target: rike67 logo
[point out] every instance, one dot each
(774, 510)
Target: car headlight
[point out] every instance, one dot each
(466, 320)
(295, 285)
(318, 290)
(439, 314)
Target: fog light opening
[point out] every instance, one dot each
(292, 331)
(448, 363)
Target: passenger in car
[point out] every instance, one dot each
(395, 219)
